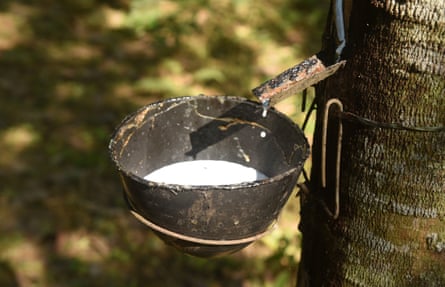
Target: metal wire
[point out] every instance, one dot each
(330, 102)
(395, 126)
(200, 240)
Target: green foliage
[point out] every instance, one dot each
(222, 42)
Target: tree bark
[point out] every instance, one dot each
(391, 226)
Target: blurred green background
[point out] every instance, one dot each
(69, 72)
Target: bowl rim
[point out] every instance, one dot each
(182, 188)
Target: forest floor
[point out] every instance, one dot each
(70, 71)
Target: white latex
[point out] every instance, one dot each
(205, 172)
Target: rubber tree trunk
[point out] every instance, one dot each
(391, 226)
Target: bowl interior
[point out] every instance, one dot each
(207, 128)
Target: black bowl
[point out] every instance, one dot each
(214, 219)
